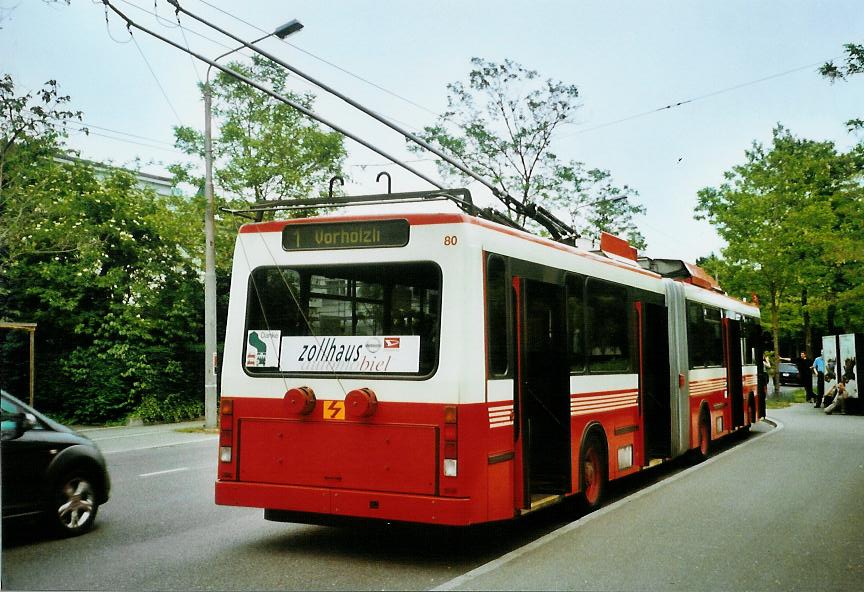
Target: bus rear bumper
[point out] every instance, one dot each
(320, 505)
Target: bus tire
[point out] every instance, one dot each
(593, 468)
(703, 447)
(751, 408)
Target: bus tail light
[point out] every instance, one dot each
(451, 441)
(360, 403)
(226, 435)
(300, 400)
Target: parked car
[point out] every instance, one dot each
(789, 374)
(49, 470)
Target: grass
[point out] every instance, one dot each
(199, 429)
(195, 430)
(785, 399)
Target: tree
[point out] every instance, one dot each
(506, 119)
(265, 149)
(594, 203)
(787, 217)
(854, 64)
(42, 119)
(105, 269)
(105, 272)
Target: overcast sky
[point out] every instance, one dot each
(744, 67)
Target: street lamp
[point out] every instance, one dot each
(282, 31)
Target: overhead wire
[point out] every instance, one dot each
(87, 127)
(131, 135)
(108, 29)
(557, 228)
(244, 52)
(324, 61)
(144, 57)
(101, 135)
(191, 59)
(302, 109)
(185, 29)
(156, 78)
(409, 101)
(690, 100)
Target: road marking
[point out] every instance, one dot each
(517, 553)
(181, 469)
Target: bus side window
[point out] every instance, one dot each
(576, 324)
(608, 339)
(496, 315)
(704, 336)
(748, 344)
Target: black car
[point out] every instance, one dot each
(789, 374)
(49, 470)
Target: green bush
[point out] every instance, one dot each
(170, 409)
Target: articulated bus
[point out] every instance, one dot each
(442, 368)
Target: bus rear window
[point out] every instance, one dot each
(357, 319)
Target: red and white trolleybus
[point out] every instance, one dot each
(443, 368)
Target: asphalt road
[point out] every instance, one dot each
(779, 510)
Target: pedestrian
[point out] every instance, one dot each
(805, 375)
(819, 371)
(831, 388)
(847, 388)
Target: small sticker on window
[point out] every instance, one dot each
(262, 349)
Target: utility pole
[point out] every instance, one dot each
(210, 354)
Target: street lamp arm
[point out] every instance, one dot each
(239, 47)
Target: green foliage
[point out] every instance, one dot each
(853, 64)
(169, 409)
(264, 149)
(505, 119)
(109, 272)
(792, 216)
(40, 119)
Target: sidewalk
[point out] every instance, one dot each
(112, 440)
(91, 431)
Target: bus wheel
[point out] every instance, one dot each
(703, 450)
(751, 408)
(593, 469)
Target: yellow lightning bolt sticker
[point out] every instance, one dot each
(334, 410)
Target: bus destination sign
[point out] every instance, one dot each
(345, 235)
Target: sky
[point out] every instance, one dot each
(740, 68)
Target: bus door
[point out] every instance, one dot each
(732, 344)
(544, 393)
(656, 400)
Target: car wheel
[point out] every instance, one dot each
(73, 506)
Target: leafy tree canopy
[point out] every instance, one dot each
(264, 148)
(501, 124)
(792, 218)
(105, 267)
